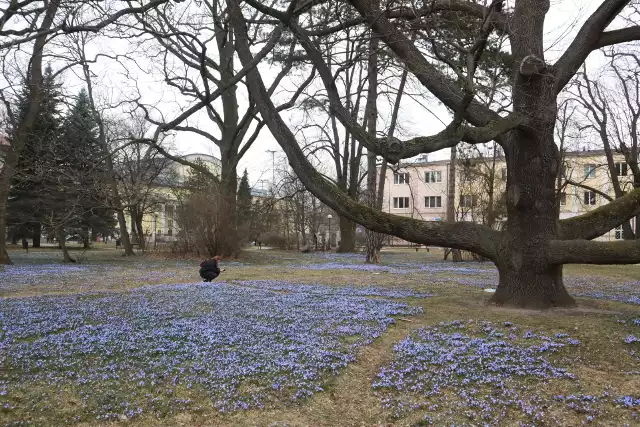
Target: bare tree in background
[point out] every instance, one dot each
(611, 107)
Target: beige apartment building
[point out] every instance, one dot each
(419, 189)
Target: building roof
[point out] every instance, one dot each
(443, 162)
(258, 192)
(203, 156)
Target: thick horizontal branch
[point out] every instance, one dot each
(394, 150)
(590, 252)
(587, 40)
(600, 221)
(622, 35)
(467, 236)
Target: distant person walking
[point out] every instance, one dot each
(209, 269)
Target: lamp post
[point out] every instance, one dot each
(329, 217)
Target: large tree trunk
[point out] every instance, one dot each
(347, 235)
(456, 255)
(531, 288)
(37, 232)
(226, 236)
(527, 278)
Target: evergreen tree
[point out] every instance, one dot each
(244, 207)
(88, 165)
(27, 198)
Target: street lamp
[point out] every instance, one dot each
(329, 217)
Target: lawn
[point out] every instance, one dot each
(321, 339)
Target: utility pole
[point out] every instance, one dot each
(273, 170)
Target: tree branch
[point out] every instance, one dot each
(622, 35)
(586, 252)
(476, 10)
(587, 40)
(468, 236)
(390, 148)
(442, 87)
(602, 194)
(601, 220)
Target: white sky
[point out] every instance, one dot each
(114, 84)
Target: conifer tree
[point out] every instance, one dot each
(26, 200)
(244, 207)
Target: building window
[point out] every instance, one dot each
(503, 173)
(433, 202)
(621, 169)
(590, 171)
(563, 199)
(433, 176)
(400, 202)
(400, 178)
(618, 233)
(589, 198)
(468, 201)
(169, 216)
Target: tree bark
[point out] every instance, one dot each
(139, 229)
(527, 277)
(37, 232)
(226, 236)
(62, 242)
(527, 288)
(347, 235)
(456, 255)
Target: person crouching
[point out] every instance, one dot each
(209, 268)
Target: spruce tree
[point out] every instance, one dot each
(80, 137)
(244, 207)
(29, 194)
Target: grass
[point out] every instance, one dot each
(111, 318)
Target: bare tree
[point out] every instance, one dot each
(35, 23)
(139, 170)
(532, 249)
(182, 35)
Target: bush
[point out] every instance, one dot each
(273, 239)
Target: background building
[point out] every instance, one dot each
(420, 189)
(159, 222)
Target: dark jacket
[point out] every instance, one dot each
(210, 265)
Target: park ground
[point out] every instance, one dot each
(320, 339)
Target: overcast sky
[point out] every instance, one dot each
(560, 28)
(115, 83)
